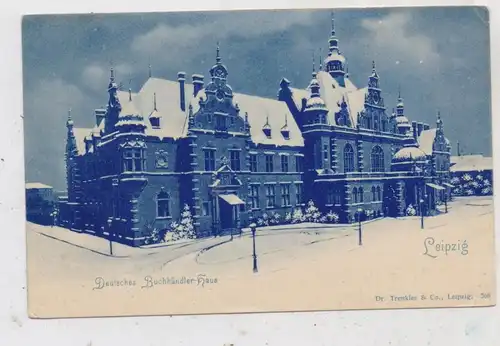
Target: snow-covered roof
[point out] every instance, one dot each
(470, 163)
(30, 186)
(331, 92)
(409, 153)
(80, 134)
(261, 110)
(175, 120)
(426, 140)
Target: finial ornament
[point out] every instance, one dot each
(373, 65)
(154, 102)
(333, 23)
(149, 68)
(217, 57)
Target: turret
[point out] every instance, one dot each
(335, 62)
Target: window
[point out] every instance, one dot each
(330, 196)
(377, 159)
(285, 195)
(163, 204)
(379, 194)
(348, 158)
(133, 160)
(325, 152)
(270, 196)
(210, 160)
(299, 163)
(220, 122)
(284, 163)
(361, 195)
(355, 195)
(299, 197)
(269, 163)
(253, 162)
(235, 160)
(205, 208)
(374, 196)
(254, 196)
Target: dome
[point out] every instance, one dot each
(335, 56)
(402, 121)
(315, 103)
(409, 154)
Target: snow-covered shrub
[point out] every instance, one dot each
(184, 229)
(275, 218)
(455, 180)
(332, 217)
(410, 211)
(466, 177)
(288, 217)
(486, 190)
(312, 213)
(153, 234)
(297, 216)
(323, 219)
(369, 214)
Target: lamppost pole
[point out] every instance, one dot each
(253, 227)
(360, 234)
(421, 213)
(110, 221)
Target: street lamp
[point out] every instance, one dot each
(421, 213)
(253, 227)
(359, 226)
(110, 222)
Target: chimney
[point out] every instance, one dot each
(426, 127)
(198, 83)
(99, 115)
(420, 128)
(414, 127)
(181, 78)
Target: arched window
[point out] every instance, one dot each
(374, 194)
(377, 159)
(163, 204)
(355, 195)
(348, 158)
(360, 193)
(379, 194)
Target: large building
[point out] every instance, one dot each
(231, 157)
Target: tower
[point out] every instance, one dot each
(375, 117)
(403, 125)
(315, 128)
(114, 107)
(335, 62)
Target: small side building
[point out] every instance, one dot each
(40, 203)
(472, 175)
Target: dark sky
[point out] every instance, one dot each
(439, 57)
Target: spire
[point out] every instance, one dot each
(439, 122)
(320, 59)
(374, 71)
(313, 66)
(149, 68)
(129, 89)
(333, 23)
(69, 122)
(333, 41)
(217, 57)
(154, 102)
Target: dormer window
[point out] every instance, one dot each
(155, 122)
(285, 133)
(267, 128)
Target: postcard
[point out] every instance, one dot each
(258, 161)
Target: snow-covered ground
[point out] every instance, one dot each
(299, 269)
